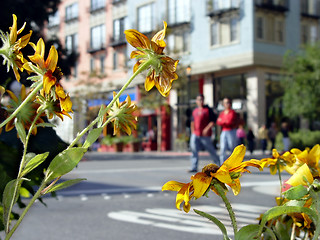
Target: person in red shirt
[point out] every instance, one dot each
(201, 130)
(228, 120)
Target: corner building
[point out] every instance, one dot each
(230, 48)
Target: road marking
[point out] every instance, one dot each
(191, 222)
(83, 197)
(98, 171)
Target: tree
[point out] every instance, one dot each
(301, 84)
(35, 13)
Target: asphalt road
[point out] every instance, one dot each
(122, 199)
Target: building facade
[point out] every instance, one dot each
(231, 48)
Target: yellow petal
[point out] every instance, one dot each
(66, 104)
(159, 36)
(149, 83)
(37, 59)
(52, 59)
(48, 82)
(173, 186)
(13, 30)
(60, 92)
(137, 39)
(184, 191)
(23, 41)
(298, 178)
(223, 175)
(40, 48)
(235, 186)
(201, 183)
(236, 157)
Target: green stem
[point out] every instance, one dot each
(279, 173)
(35, 197)
(142, 67)
(28, 98)
(22, 165)
(221, 193)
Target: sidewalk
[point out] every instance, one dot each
(170, 155)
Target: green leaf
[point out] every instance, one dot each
(24, 192)
(282, 231)
(34, 162)
(100, 122)
(21, 131)
(281, 210)
(250, 232)
(45, 124)
(216, 221)
(92, 137)
(295, 193)
(64, 162)
(65, 184)
(8, 200)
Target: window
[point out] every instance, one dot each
(313, 34)
(218, 5)
(72, 12)
(179, 42)
(98, 37)
(92, 65)
(54, 19)
(310, 7)
(102, 58)
(146, 18)
(97, 4)
(304, 34)
(178, 11)
(279, 31)
(260, 33)
(118, 29)
(71, 43)
(214, 34)
(270, 28)
(309, 32)
(233, 29)
(115, 60)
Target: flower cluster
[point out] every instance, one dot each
(303, 193)
(162, 70)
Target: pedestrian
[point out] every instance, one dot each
(272, 134)
(250, 140)
(285, 136)
(241, 134)
(201, 125)
(228, 120)
(263, 137)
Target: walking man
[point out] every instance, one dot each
(201, 130)
(228, 120)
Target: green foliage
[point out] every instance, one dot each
(301, 96)
(304, 138)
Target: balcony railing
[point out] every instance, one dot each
(218, 11)
(273, 5)
(118, 41)
(93, 49)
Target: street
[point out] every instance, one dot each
(122, 199)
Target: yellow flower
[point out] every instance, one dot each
(122, 115)
(27, 114)
(11, 47)
(229, 173)
(284, 160)
(310, 157)
(302, 176)
(163, 68)
(46, 67)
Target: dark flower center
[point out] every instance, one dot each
(210, 168)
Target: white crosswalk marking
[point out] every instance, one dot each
(191, 222)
